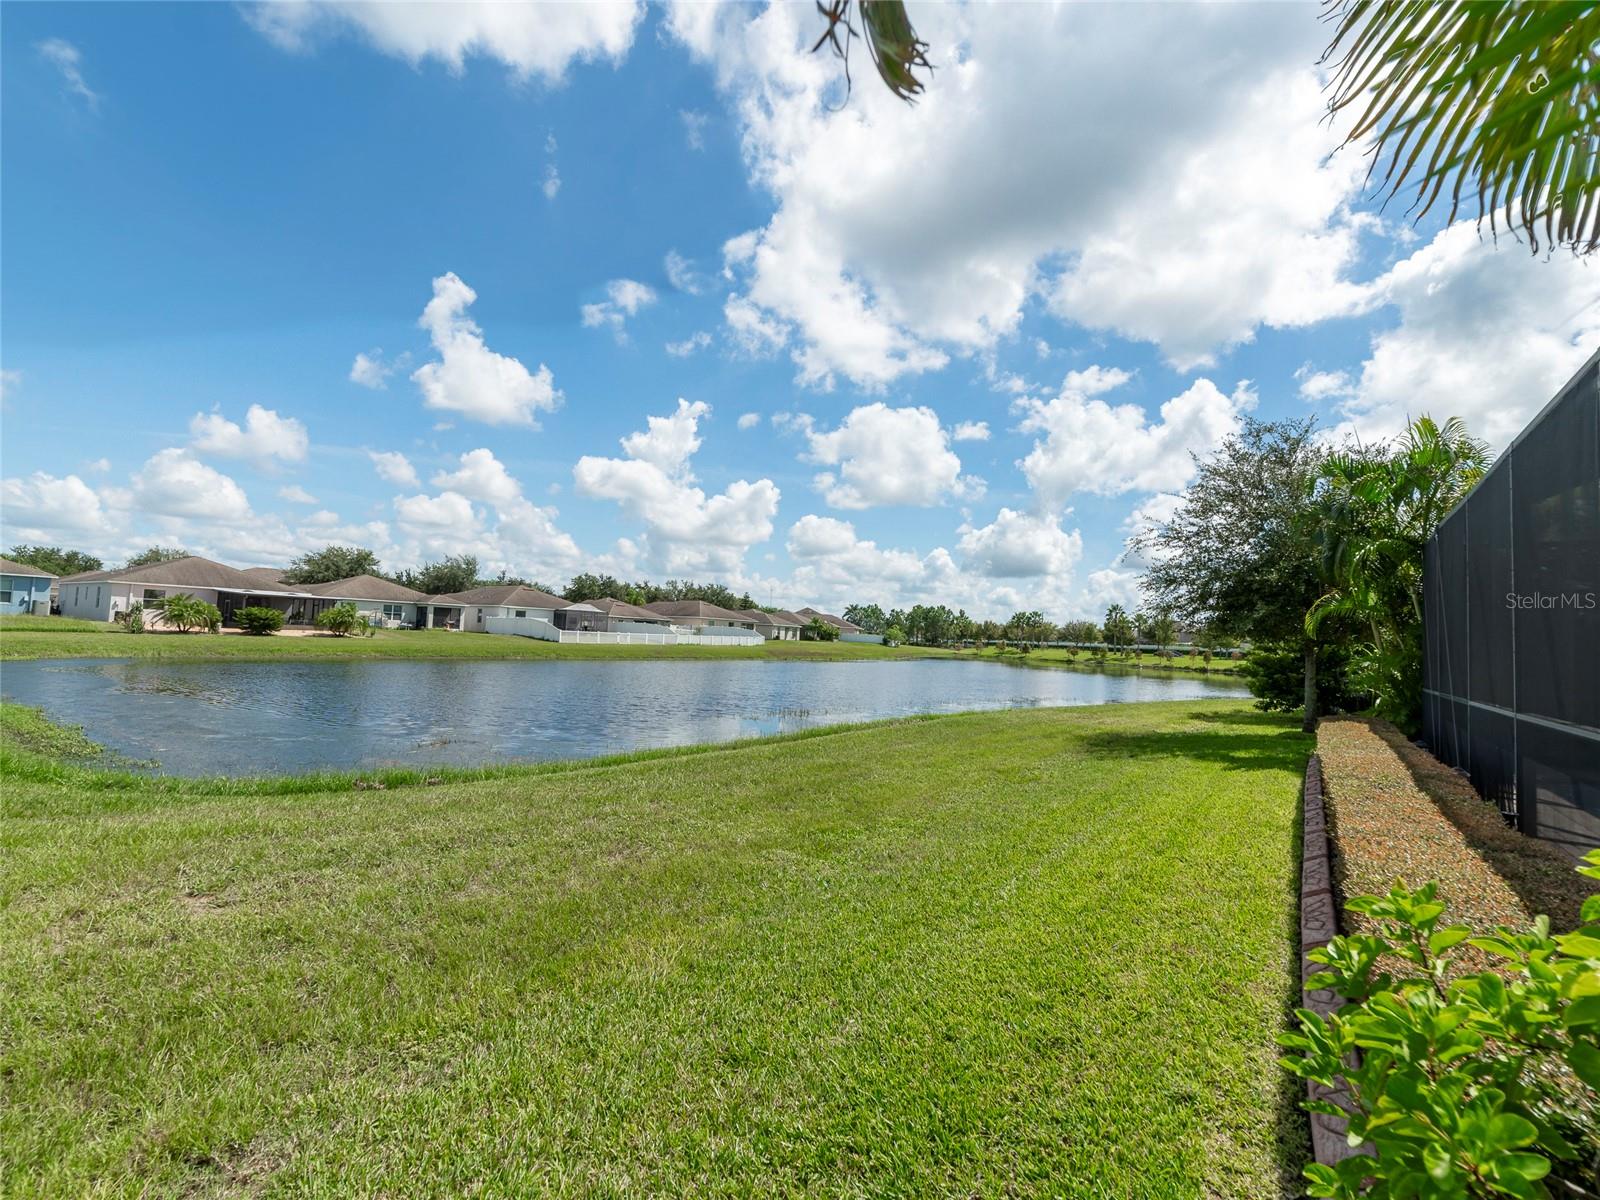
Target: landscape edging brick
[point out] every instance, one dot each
(1319, 924)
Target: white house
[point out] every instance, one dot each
(502, 600)
(105, 595)
(383, 601)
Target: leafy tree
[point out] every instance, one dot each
(586, 586)
(55, 560)
(1117, 632)
(818, 630)
(156, 554)
(1157, 627)
(1275, 672)
(1243, 550)
(894, 636)
(870, 617)
(185, 614)
(331, 563)
(343, 620)
(1078, 634)
(259, 620)
(1206, 640)
(1497, 98)
(453, 573)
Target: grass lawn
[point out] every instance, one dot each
(1028, 953)
(1055, 657)
(59, 637)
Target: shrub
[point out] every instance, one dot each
(1468, 1084)
(819, 630)
(134, 621)
(258, 620)
(1275, 673)
(893, 636)
(186, 614)
(344, 620)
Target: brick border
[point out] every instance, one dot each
(1319, 924)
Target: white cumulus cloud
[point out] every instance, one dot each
(624, 298)
(884, 455)
(394, 467)
(532, 40)
(471, 379)
(1091, 446)
(685, 528)
(264, 436)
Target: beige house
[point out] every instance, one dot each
(776, 626)
(699, 615)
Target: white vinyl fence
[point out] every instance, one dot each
(667, 636)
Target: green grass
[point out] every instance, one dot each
(23, 638)
(1029, 953)
(1051, 656)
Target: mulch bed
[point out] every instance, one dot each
(1396, 813)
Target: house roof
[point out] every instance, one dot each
(580, 606)
(365, 587)
(837, 622)
(512, 595)
(622, 610)
(761, 617)
(10, 566)
(192, 571)
(266, 576)
(695, 608)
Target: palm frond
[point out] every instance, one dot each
(896, 50)
(1500, 97)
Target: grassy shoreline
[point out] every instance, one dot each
(27, 638)
(967, 954)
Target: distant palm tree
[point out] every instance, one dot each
(1500, 97)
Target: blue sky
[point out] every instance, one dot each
(952, 352)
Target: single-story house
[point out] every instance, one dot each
(700, 614)
(266, 576)
(629, 618)
(107, 595)
(849, 631)
(502, 600)
(23, 588)
(382, 600)
(776, 626)
(808, 615)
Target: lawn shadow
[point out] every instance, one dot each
(1271, 744)
(1541, 875)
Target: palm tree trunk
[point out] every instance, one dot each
(1309, 723)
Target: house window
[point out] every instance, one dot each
(394, 612)
(153, 594)
(5, 596)
(522, 612)
(97, 597)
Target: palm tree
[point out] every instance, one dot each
(896, 49)
(1376, 512)
(1461, 93)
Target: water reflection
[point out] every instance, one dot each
(273, 718)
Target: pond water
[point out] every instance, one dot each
(278, 718)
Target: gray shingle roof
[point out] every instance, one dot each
(10, 566)
(695, 608)
(512, 595)
(761, 617)
(364, 587)
(624, 611)
(837, 622)
(193, 571)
